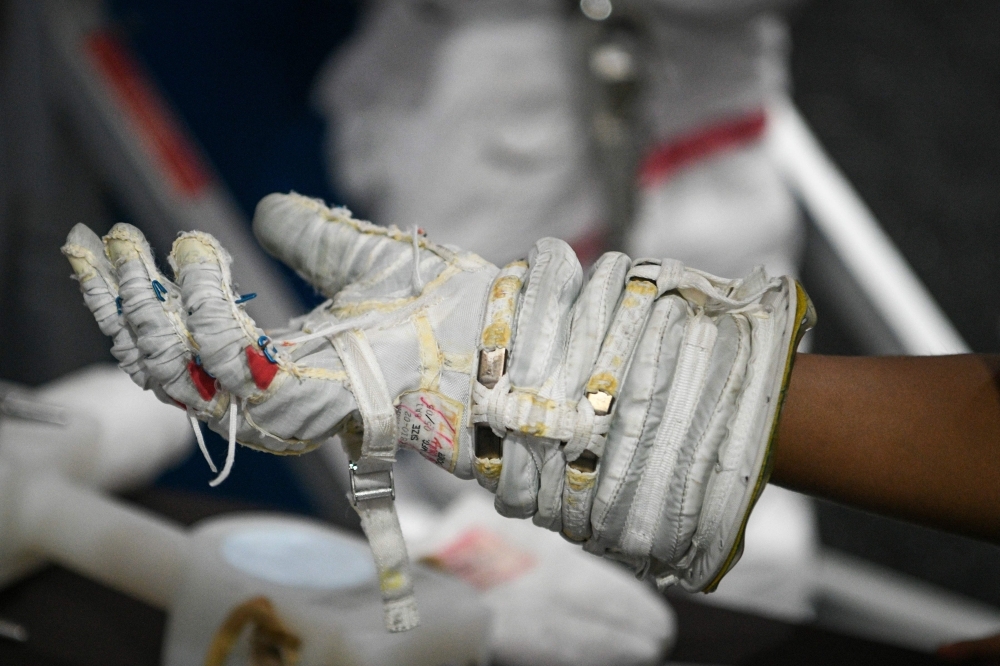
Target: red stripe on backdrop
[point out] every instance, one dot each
(159, 130)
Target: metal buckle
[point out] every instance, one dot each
(376, 491)
(601, 401)
(492, 366)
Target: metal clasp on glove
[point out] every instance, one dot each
(492, 366)
(372, 484)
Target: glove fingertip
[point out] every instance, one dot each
(125, 242)
(81, 236)
(85, 252)
(198, 247)
(274, 217)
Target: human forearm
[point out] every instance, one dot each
(913, 437)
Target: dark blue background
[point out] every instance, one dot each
(240, 72)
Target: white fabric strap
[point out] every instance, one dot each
(372, 395)
(505, 410)
(703, 288)
(372, 490)
(491, 405)
(381, 526)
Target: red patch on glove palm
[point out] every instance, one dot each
(204, 382)
(262, 370)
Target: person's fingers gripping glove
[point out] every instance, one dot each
(656, 457)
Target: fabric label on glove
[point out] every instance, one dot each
(428, 423)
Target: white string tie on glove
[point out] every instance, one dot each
(418, 282)
(703, 289)
(370, 319)
(231, 450)
(588, 433)
(196, 427)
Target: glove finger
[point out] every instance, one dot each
(592, 315)
(99, 286)
(151, 305)
(331, 250)
(551, 287)
(292, 406)
(551, 475)
(543, 324)
(517, 488)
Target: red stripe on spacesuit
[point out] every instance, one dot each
(667, 158)
(162, 134)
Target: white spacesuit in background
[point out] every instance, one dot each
(460, 118)
(706, 191)
(466, 119)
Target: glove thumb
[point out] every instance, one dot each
(326, 246)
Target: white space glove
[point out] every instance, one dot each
(632, 412)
